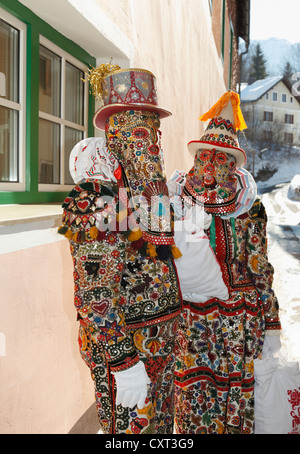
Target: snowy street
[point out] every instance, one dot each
(284, 254)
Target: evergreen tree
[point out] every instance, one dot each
(288, 71)
(258, 65)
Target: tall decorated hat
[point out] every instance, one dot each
(123, 89)
(226, 119)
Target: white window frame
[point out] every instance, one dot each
(288, 117)
(18, 106)
(62, 121)
(266, 114)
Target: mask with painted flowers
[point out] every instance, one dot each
(134, 138)
(212, 179)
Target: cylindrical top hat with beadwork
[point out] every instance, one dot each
(221, 133)
(123, 89)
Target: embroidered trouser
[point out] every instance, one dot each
(214, 377)
(155, 345)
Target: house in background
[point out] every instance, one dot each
(46, 47)
(272, 112)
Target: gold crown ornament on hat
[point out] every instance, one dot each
(221, 133)
(123, 89)
(96, 76)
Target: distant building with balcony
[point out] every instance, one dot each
(272, 112)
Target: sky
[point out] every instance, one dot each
(275, 19)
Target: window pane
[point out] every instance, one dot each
(9, 62)
(49, 152)
(9, 145)
(74, 94)
(50, 82)
(71, 138)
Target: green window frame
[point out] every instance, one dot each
(36, 32)
(223, 29)
(230, 55)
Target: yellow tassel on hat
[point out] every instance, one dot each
(176, 252)
(151, 250)
(216, 109)
(135, 235)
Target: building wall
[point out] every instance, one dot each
(45, 386)
(254, 114)
(175, 41)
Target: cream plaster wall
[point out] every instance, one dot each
(44, 384)
(173, 39)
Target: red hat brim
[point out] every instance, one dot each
(238, 153)
(104, 112)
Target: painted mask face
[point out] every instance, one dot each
(214, 168)
(212, 181)
(134, 138)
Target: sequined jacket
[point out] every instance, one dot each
(119, 287)
(240, 245)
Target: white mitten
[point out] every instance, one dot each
(272, 345)
(132, 386)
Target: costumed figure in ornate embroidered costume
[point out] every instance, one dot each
(230, 310)
(120, 225)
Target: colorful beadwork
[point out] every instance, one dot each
(130, 87)
(212, 181)
(223, 133)
(218, 340)
(134, 138)
(127, 293)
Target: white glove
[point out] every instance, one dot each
(132, 386)
(272, 345)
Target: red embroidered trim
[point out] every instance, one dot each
(126, 364)
(164, 318)
(161, 239)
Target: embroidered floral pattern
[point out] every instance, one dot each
(126, 288)
(294, 400)
(218, 341)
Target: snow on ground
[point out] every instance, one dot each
(284, 254)
(287, 167)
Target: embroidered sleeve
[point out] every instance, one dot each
(98, 258)
(260, 268)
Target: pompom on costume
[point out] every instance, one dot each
(220, 336)
(119, 222)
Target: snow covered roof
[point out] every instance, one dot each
(256, 90)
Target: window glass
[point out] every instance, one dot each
(49, 152)
(74, 94)
(62, 109)
(9, 97)
(9, 119)
(9, 62)
(44, 104)
(50, 82)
